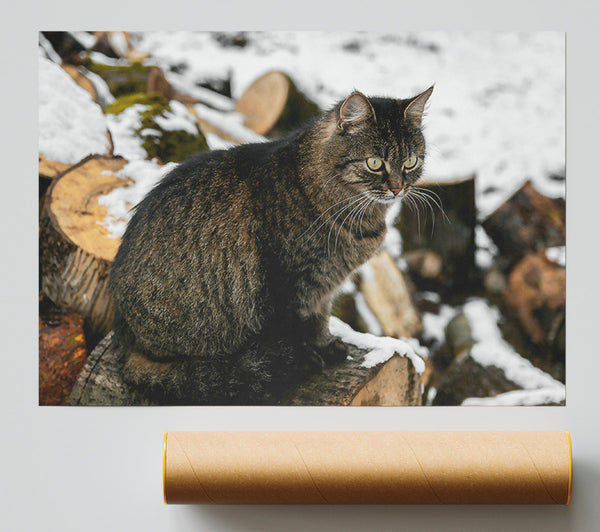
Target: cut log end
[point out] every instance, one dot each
(273, 105)
(76, 251)
(262, 103)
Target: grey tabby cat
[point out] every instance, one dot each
(225, 276)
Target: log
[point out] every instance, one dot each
(344, 308)
(207, 127)
(51, 169)
(273, 105)
(393, 383)
(466, 378)
(388, 295)
(65, 45)
(81, 80)
(451, 237)
(117, 44)
(75, 250)
(62, 353)
(167, 144)
(425, 263)
(527, 222)
(536, 294)
(131, 79)
(48, 171)
(100, 382)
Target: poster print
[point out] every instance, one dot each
(302, 218)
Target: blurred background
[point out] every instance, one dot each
(478, 265)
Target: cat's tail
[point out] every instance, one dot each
(260, 373)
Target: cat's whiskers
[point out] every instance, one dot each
(430, 195)
(350, 215)
(328, 181)
(355, 219)
(362, 215)
(411, 203)
(427, 197)
(424, 200)
(340, 212)
(321, 215)
(336, 216)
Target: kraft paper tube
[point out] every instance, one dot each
(367, 467)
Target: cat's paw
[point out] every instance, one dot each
(335, 352)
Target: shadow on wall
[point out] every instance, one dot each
(381, 518)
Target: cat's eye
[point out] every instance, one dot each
(411, 162)
(374, 163)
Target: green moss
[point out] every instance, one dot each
(174, 145)
(155, 101)
(169, 145)
(121, 79)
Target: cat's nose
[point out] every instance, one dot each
(396, 191)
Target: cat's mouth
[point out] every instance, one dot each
(388, 197)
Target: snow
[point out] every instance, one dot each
(367, 315)
(433, 297)
(497, 110)
(87, 40)
(491, 349)
(367, 272)
(127, 143)
(104, 95)
(382, 348)
(178, 118)
(118, 42)
(217, 143)
(71, 125)
(434, 325)
(46, 50)
(486, 250)
(98, 57)
(431, 396)
(557, 254)
(393, 241)
(539, 396)
(208, 97)
(230, 123)
(119, 202)
(348, 287)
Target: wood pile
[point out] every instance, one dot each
(433, 268)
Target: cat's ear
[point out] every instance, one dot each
(355, 110)
(413, 112)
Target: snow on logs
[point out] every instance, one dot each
(273, 105)
(76, 251)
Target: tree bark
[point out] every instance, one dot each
(393, 383)
(451, 236)
(527, 222)
(388, 296)
(273, 105)
(75, 250)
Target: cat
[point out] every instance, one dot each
(224, 279)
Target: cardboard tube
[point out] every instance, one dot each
(367, 467)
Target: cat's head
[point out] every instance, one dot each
(376, 144)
